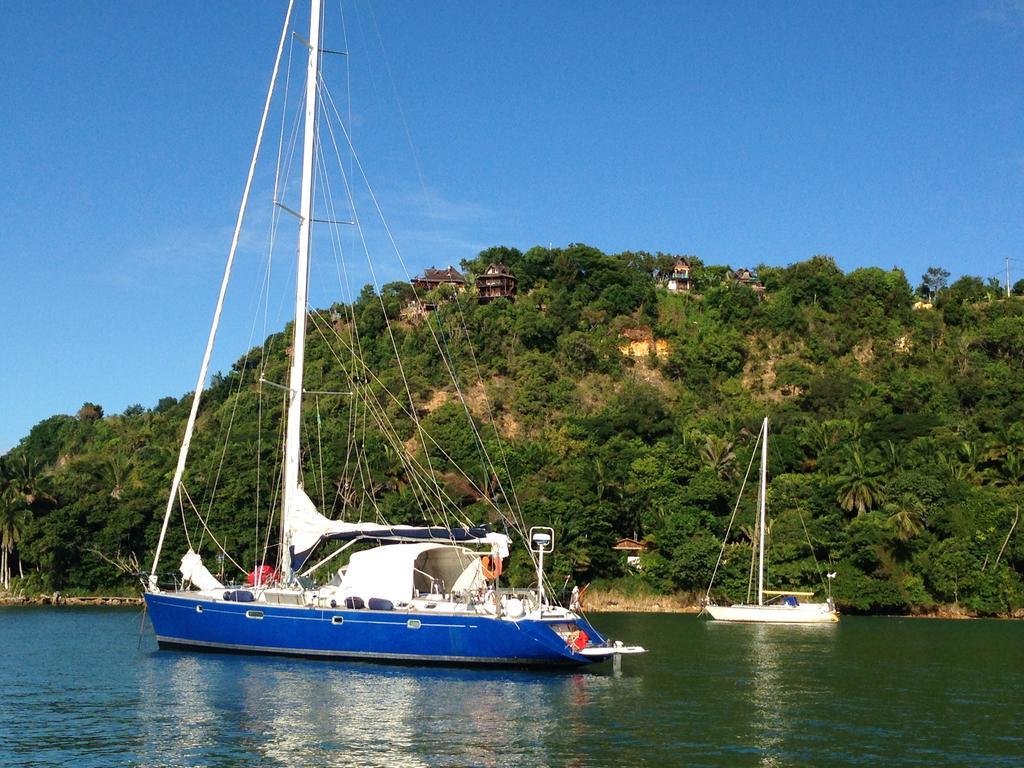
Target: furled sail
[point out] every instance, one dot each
(192, 569)
(307, 528)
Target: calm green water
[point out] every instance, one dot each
(79, 688)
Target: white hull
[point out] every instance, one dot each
(805, 613)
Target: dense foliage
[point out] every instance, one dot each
(897, 448)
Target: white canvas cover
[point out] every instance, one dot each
(306, 527)
(396, 572)
(193, 570)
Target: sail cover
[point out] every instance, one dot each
(307, 528)
(193, 570)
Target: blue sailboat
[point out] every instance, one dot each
(407, 593)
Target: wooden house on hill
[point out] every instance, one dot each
(433, 278)
(633, 550)
(679, 280)
(497, 282)
(744, 276)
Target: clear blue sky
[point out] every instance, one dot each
(880, 133)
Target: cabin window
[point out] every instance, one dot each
(413, 624)
(199, 609)
(337, 620)
(254, 614)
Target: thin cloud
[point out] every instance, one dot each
(433, 205)
(1008, 14)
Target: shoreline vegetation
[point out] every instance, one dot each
(611, 601)
(623, 392)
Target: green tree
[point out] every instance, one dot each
(859, 486)
(933, 281)
(14, 518)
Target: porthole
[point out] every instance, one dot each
(254, 614)
(414, 624)
(337, 620)
(199, 609)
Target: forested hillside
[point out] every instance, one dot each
(897, 431)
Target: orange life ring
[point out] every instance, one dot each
(490, 566)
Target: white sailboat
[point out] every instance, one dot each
(773, 606)
(414, 593)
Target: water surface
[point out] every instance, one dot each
(83, 687)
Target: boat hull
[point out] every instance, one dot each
(185, 620)
(805, 613)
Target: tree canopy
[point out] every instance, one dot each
(898, 440)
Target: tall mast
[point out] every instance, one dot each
(761, 512)
(292, 449)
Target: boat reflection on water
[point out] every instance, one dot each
(783, 672)
(291, 712)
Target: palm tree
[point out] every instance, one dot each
(717, 453)
(859, 483)
(13, 520)
(118, 472)
(28, 477)
(606, 486)
(820, 438)
(894, 456)
(972, 453)
(906, 516)
(1009, 471)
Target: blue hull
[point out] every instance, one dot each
(391, 636)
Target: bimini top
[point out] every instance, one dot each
(399, 572)
(307, 528)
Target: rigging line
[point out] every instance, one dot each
(183, 452)
(259, 468)
(486, 463)
(278, 480)
(423, 187)
(817, 566)
(399, 445)
(213, 538)
(345, 284)
(732, 519)
(226, 431)
(419, 171)
(373, 273)
(405, 126)
(413, 466)
(184, 523)
(328, 99)
(320, 453)
(494, 426)
(386, 428)
(348, 62)
(452, 375)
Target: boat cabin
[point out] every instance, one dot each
(401, 573)
(787, 596)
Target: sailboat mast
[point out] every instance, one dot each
(761, 512)
(292, 448)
